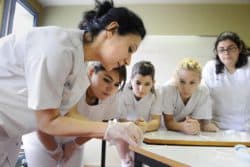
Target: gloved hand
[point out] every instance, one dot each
(56, 154)
(68, 149)
(125, 154)
(126, 131)
(191, 126)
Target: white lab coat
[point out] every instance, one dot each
(36, 153)
(105, 110)
(132, 109)
(230, 94)
(198, 106)
(41, 69)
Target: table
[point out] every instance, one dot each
(148, 157)
(183, 156)
(226, 138)
(168, 148)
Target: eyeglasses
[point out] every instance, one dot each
(228, 50)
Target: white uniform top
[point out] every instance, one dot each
(104, 110)
(35, 151)
(230, 94)
(198, 106)
(132, 109)
(39, 70)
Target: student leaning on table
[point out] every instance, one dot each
(228, 79)
(140, 102)
(99, 103)
(186, 103)
(43, 74)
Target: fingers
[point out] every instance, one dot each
(142, 125)
(194, 121)
(128, 132)
(191, 128)
(210, 127)
(139, 121)
(135, 135)
(193, 125)
(69, 149)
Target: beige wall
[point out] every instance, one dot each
(1, 12)
(38, 7)
(64, 16)
(171, 19)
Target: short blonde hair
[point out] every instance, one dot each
(189, 64)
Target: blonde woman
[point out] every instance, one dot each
(186, 102)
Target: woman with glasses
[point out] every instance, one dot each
(228, 79)
(98, 103)
(186, 103)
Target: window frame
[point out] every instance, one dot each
(9, 12)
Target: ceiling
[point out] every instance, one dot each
(91, 2)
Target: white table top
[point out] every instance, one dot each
(229, 137)
(197, 156)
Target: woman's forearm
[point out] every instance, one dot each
(47, 140)
(50, 122)
(154, 124)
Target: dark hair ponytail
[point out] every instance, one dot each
(94, 21)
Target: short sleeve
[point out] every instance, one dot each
(122, 109)
(46, 69)
(204, 106)
(167, 95)
(156, 108)
(207, 72)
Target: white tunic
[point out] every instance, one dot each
(198, 106)
(104, 110)
(40, 70)
(231, 96)
(132, 109)
(36, 153)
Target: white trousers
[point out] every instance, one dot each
(9, 149)
(37, 156)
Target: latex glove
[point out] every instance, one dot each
(210, 127)
(125, 154)
(56, 154)
(68, 149)
(191, 126)
(127, 132)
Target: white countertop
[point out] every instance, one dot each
(199, 156)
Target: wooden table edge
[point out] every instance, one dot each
(157, 157)
(193, 143)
